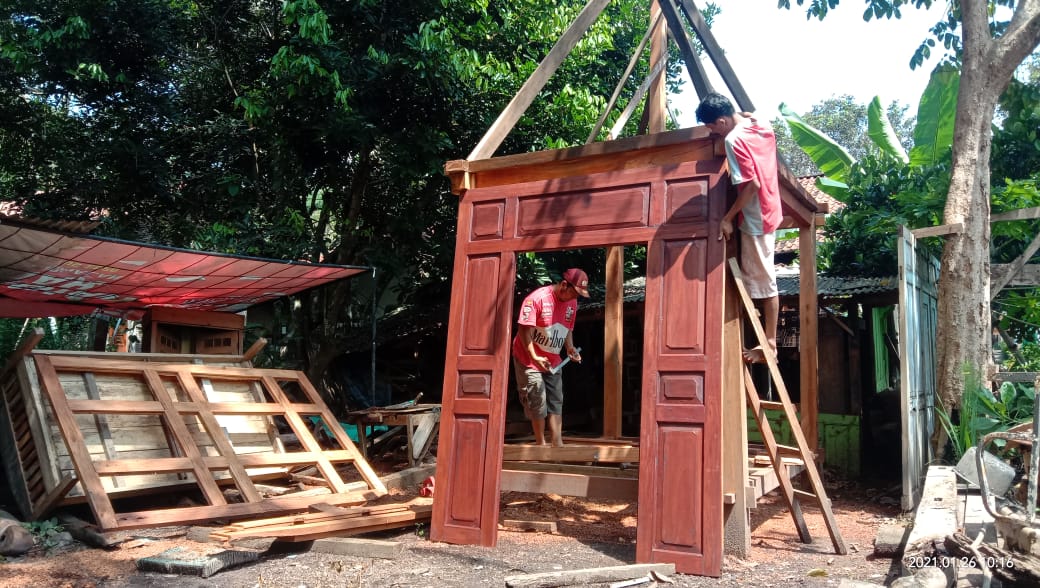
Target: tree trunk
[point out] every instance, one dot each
(964, 313)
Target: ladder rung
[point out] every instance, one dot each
(771, 405)
(789, 451)
(806, 495)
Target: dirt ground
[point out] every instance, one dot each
(590, 534)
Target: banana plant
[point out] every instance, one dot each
(933, 134)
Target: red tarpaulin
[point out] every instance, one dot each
(45, 273)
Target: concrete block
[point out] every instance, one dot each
(189, 562)
(890, 540)
(358, 547)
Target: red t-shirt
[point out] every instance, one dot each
(552, 320)
(751, 152)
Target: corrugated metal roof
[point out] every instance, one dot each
(829, 286)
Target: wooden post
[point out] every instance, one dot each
(736, 526)
(613, 334)
(808, 329)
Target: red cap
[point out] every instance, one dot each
(577, 278)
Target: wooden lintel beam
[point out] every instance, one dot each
(941, 230)
(689, 54)
(1020, 214)
(522, 100)
(716, 54)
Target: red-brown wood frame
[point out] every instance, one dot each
(668, 191)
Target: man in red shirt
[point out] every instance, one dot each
(545, 325)
(751, 155)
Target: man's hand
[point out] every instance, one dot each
(725, 229)
(542, 363)
(574, 354)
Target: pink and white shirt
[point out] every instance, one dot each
(552, 320)
(751, 153)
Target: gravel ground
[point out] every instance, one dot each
(590, 534)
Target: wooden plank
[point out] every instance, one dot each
(88, 477)
(101, 422)
(24, 349)
(1015, 267)
(716, 54)
(632, 62)
(566, 468)
(655, 113)
(534, 84)
(220, 439)
(613, 341)
(1020, 214)
(254, 349)
(606, 487)
(939, 231)
(308, 531)
(50, 500)
(689, 54)
(198, 514)
(210, 491)
(1027, 275)
(736, 526)
(588, 576)
(579, 453)
(196, 318)
(808, 335)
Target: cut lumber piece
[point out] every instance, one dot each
(578, 453)
(588, 576)
(309, 528)
(571, 484)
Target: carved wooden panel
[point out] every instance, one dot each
(674, 209)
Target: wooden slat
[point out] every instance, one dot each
(182, 464)
(939, 231)
(339, 526)
(1020, 214)
(77, 446)
(220, 439)
(101, 421)
(579, 453)
(717, 55)
(534, 84)
(693, 63)
(24, 349)
(1014, 267)
(198, 514)
(48, 501)
(184, 440)
(808, 335)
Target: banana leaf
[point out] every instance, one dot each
(832, 159)
(880, 131)
(933, 134)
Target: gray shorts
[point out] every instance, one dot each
(541, 393)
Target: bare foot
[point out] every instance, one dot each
(558, 444)
(755, 355)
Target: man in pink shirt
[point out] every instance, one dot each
(751, 155)
(545, 325)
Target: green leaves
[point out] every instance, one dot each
(832, 159)
(936, 113)
(881, 132)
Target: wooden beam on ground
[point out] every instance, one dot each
(1027, 275)
(1014, 267)
(571, 484)
(716, 54)
(1012, 215)
(577, 453)
(808, 335)
(525, 96)
(939, 231)
(689, 53)
(588, 576)
(736, 526)
(568, 468)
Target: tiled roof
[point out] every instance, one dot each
(830, 204)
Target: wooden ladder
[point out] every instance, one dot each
(777, 452)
